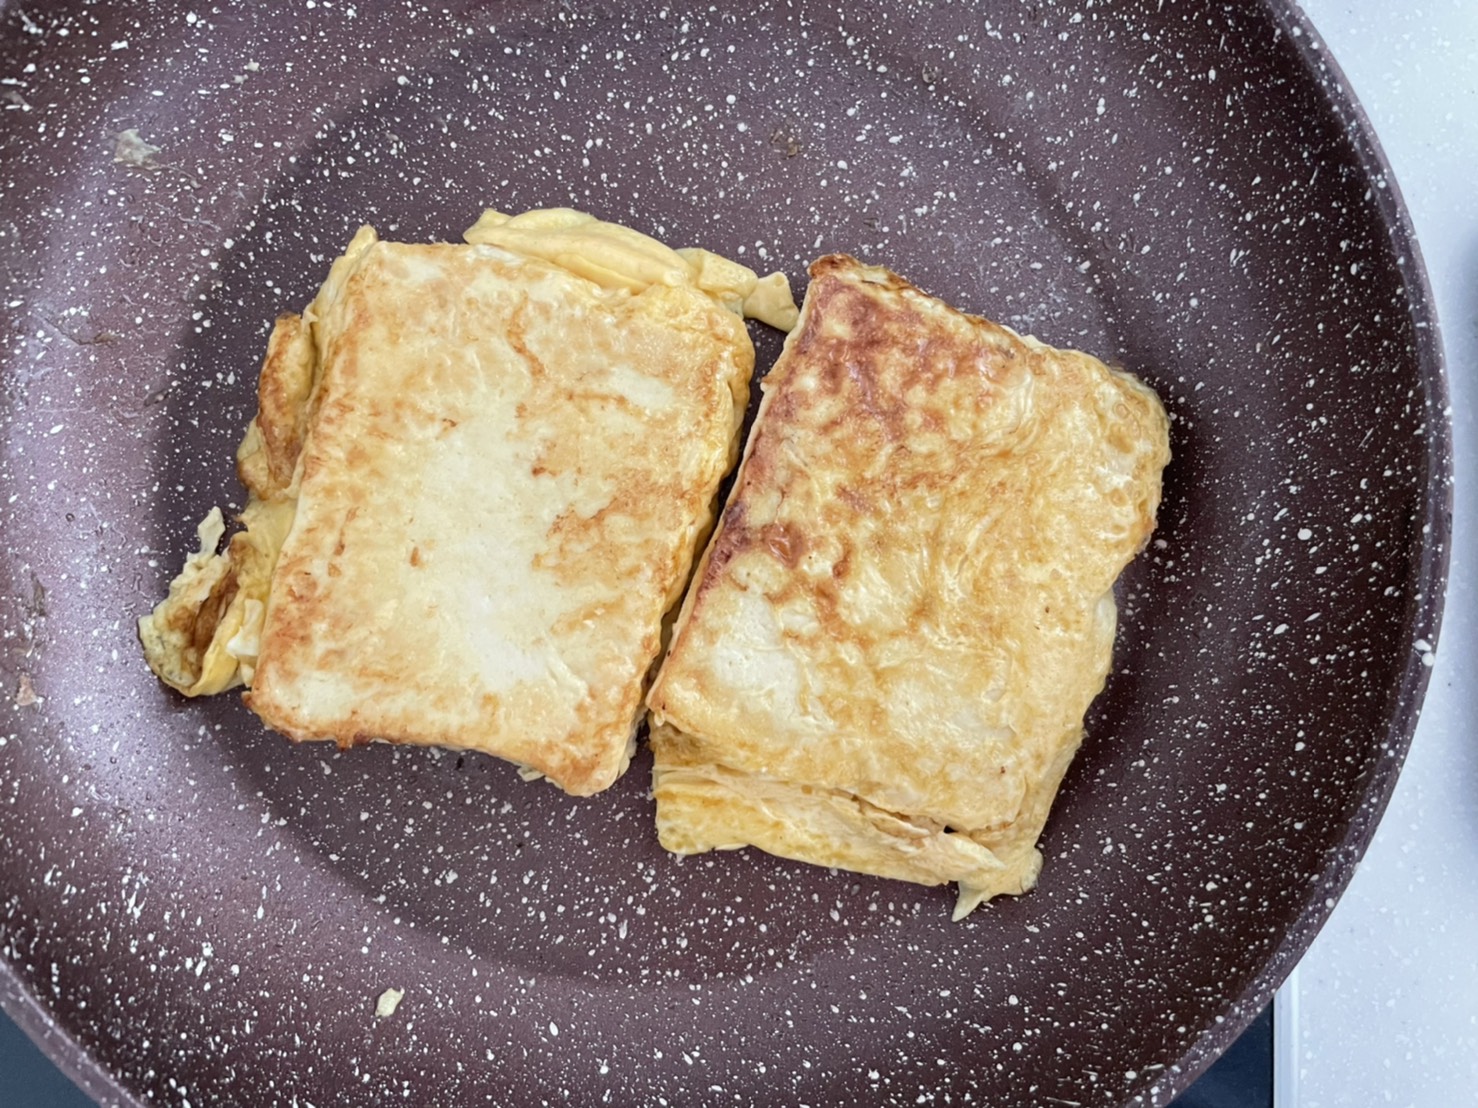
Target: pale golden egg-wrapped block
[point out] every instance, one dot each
(479, 476)
(885, 662)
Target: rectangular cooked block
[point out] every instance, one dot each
(479, 480)
(908, 606)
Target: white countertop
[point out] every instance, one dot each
(1384, 1006)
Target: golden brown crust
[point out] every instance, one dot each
(908, 601)
(266, 463)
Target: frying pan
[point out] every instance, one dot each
(194, 911)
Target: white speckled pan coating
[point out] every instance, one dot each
(193, 910)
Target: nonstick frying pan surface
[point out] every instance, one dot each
(193, 910)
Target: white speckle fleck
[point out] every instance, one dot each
(387, 1003)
